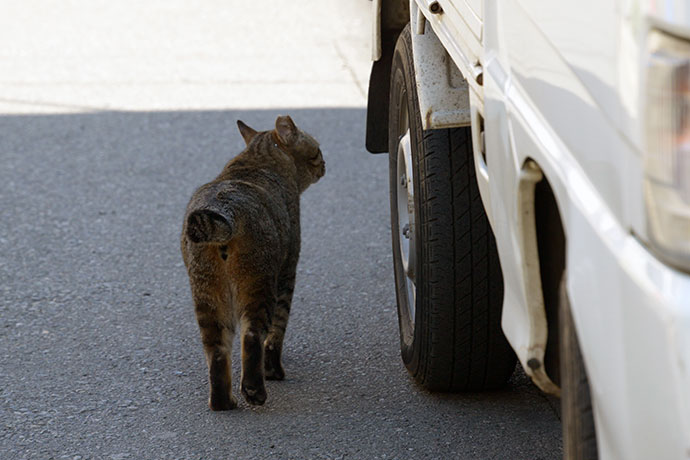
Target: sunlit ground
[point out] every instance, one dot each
(75, 56)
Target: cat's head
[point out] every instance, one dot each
(302, 147)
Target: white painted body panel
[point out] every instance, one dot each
(375, 30)
(562, 85)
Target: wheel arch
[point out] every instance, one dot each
(389, 17)
(443, 92)
(551, 248)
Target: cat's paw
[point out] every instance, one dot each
(254, 395)
(219, 402)
(274, 371)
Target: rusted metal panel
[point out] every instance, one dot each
(442, 90)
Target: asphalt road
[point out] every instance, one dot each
(99, 351)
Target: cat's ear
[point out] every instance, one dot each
(286, 129)
(247, 132)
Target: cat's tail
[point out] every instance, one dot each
(209, 226)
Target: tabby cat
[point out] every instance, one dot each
(240, 244)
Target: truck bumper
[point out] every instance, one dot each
(632, 315)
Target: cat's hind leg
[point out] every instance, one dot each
(217, 337)
(254, 319)
(274, 341)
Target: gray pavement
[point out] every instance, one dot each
(103, 137)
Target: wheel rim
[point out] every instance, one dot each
(406, 217)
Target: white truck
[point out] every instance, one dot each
(540, 205)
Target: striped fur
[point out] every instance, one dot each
(276, 332)
(207, 226)
(240, 243)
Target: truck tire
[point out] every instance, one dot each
(449, 285)
(579, 435)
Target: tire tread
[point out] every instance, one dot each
(458, 341)
(579, 433)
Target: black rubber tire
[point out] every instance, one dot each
(455, 342)
(577, 418)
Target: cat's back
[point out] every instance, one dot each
(254, 195)
(263, 166)
(260, 176)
